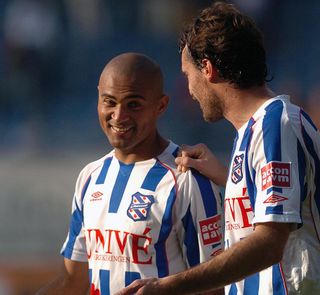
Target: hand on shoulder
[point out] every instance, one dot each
(202, 159)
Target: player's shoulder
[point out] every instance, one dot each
(281, 107)
(89, 168)
(167, 157)
(277, 114)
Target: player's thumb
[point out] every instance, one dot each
(189, 162)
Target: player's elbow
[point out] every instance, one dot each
(275, 237)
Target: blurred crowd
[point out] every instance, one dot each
(52, 51)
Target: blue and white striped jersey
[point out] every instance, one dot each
(275, 177)
(141, 220)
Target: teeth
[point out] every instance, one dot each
(118, 129)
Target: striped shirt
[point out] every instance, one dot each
(275, 177)
(140, 220)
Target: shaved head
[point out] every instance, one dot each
(136, 68)
(130, 101)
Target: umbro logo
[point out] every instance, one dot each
(96, 196)
(274, 199)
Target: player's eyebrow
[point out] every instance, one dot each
(130, 96)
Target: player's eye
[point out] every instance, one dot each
(109, 102)
(134, 104)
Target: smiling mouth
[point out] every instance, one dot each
(120, 130)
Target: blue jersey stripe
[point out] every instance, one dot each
(120, 186)
(175, 152)
(251, 285)
(75, 223)
(311, 149)
(233, 289)
(90, 275)
(232, 153)
(83, 193)
(131, 276)
(247, 136)
(104, 282)
(274, 210)
(251, 187)
(207, 193)
(278, 284)
(307, 117)
(75, 228)
(302, 174)
(103, 173)
(166, 227)
(191, 239)
(154, 176)
(271, 128)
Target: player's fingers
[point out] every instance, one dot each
(132, 288)
(195, 151)
(185, 163)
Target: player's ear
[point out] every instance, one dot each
(209, 70)
(163, 104)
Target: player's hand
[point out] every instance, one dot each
(143, 287)
(202, 159)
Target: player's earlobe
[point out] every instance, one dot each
(209, 70)
(164, 101)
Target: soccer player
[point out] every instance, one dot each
(272, 196)
(133, 214)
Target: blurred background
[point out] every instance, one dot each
(51, 56)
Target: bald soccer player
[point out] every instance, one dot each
(134, 215)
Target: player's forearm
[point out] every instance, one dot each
(62, 285)
(233, 264)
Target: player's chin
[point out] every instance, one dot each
(211, 118)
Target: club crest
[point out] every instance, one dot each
(139, 207)
(237, 174)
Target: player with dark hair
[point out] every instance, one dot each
(272, 196)
(134, 215)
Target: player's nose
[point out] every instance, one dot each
(120, 113)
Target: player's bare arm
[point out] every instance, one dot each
(74, 279)
(202, 159)
(258, 251)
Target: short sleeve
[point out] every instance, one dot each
(199, 224)
(277, 169)
(74, 247)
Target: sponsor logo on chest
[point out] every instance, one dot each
(238, 212)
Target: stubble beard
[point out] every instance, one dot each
(213, 110)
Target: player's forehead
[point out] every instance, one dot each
(118, 82)
(186, 62)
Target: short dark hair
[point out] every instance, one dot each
(231, 41)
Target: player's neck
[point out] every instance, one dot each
(146, 150)
(242, 104)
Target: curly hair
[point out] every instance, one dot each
(231, 41)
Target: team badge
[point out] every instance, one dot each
(237, 174)
(139, 207)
